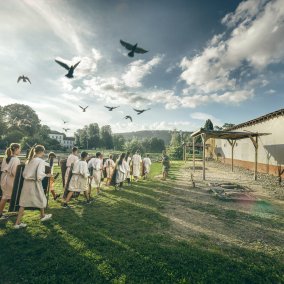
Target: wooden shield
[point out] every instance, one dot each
(63, 170)
(17, 189)
(75, 194)
(18, 185)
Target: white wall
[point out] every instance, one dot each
(270, 147)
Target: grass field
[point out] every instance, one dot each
(128, 236)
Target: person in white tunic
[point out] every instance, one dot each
(95, 166)
(8, 168)
(72, 158)
(127, 166)
(32, 194)
(146, 166)
(109, 167)
(120, 171)
(136, 163)
(79, 179)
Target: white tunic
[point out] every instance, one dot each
(109, 165)
(97, 165)
(120, 173)
(79, 179)
(8, 176)
(147, 163)
(32, 192)
(136, 160)
(70, 160)
(127, 166)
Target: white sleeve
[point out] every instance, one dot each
(41, 170)
(84, 170)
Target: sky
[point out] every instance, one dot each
(221, 60)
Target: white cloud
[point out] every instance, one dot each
(255, 41)
(59, 21)
(138, 69)
(204, 116)
(271, 92)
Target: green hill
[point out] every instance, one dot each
(140, 135)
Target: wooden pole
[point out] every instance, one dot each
(256, 156)
(203, 136)
(193, 153)
(184, 153)
(232, 143)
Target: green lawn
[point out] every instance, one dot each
(126, 237)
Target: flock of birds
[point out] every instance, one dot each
(70, 74)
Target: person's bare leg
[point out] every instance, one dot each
(2, 205)
(20, 215)
(53, 193)
(86, 195)
(69, 195)
(42, 213)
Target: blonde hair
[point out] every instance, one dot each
(35, 150)
(10, 151)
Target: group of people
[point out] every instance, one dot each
(82, 174)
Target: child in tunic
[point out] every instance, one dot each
(146, 166)
(127, 167)
(72, 158)
(8, 169)
(79, 179)
(120, 171)
(51, 157)
(109, 166)
(96, 167)
(32, 192)
(136, 162)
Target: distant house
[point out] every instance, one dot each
(270, 147)
(64, 141)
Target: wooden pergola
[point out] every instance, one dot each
(231, 137)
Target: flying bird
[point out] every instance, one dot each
(24, 78)
(128, 117)
(111, 108)
(133, 48)
(66, 129)
(64, 121)
(141, 111)
(84, 108)
(69, 68)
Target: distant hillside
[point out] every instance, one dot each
(162, 134)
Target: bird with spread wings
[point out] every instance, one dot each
(70, 69)
(128, 117)
(84, 108)
(139, 111)
(24, 78)
(111, 108)
(133, 48)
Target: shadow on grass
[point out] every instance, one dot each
(123, 237)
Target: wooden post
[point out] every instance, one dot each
(255, 144)
(232, 143)
(256, 156)
(193, 153)
(203, 136)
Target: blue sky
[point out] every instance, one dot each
(221, 60)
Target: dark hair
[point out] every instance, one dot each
(74, 149)
(110, 156)
(98, 154)
(127, 155)
(10, 151)
(35, 150)
(51, 155)
(84, 155)
(121, 157)
(147, 155)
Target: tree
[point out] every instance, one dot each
(22, 117)
(133, 145)
(93, 135)
(118, 142)
(208, 125)
(3, 124)
(176, 138)
(157, 145)
(106, 137)
(227, 125)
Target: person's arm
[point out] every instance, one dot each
(41, 170)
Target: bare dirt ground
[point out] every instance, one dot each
(252, 227)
